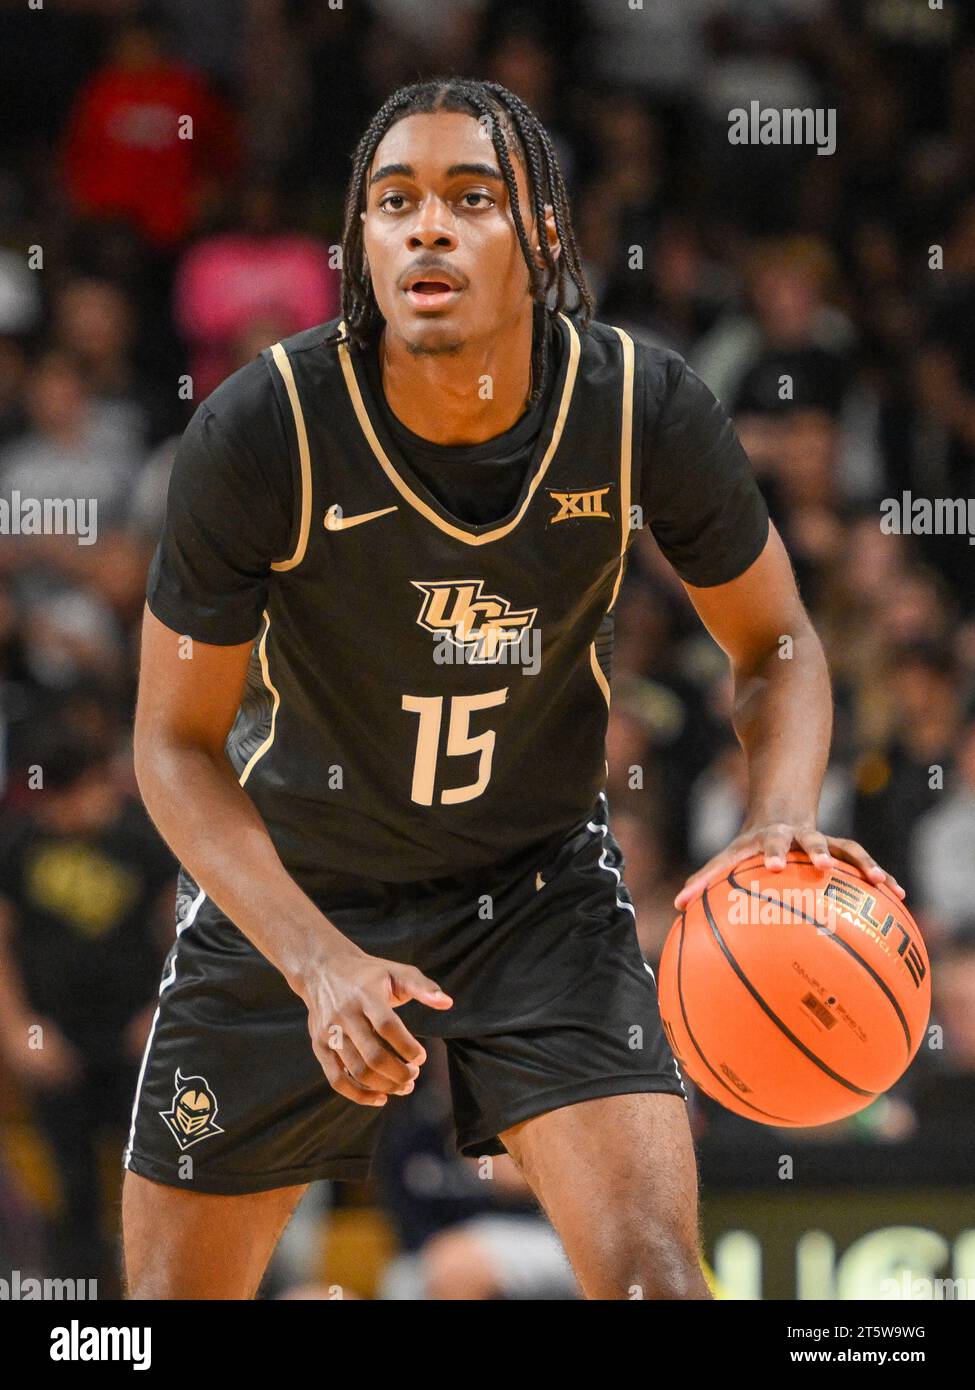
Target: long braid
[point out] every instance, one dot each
(539, 286)
(526, 128)
(549, 186)
(356, 285)
(504, 114)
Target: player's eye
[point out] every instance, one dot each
(482, 200)
(388, 200)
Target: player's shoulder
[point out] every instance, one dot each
(660, 370)
(316, 344)
(247, 404)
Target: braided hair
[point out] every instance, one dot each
(510, 123)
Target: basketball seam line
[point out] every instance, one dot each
(838, 941)
(783, 1027)
(690, 1033)
(844, 864)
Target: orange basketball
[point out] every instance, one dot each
(798, 997)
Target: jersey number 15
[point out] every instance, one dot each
(460, 741)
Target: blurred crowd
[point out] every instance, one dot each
(143, 259)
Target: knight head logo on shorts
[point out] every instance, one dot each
(194, 1111)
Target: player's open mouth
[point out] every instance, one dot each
(431, 294)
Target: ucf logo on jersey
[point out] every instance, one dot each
(483, 624)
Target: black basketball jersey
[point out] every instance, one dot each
(428, 696)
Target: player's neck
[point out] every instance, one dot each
(465, 397)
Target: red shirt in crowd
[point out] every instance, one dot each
(125, 156)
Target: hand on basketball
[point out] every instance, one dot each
(774, 841)
(365, 1051)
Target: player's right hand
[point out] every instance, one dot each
(365, 1051)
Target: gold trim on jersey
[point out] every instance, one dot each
(404, 489)
(626, 483)
(626, 456)
(597, 671)
(304, 457)
(258, 753)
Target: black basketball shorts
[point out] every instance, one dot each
(553, 1004)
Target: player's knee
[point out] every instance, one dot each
(144, 1277)
(145, 1285)
(455, 1266)
(656, 1267)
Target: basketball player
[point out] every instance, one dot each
(374, 693)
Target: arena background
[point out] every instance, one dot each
(142, 260)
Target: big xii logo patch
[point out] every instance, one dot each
(580, 506)
(194, 1113)
(483, 624)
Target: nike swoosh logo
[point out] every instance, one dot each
(334, 521)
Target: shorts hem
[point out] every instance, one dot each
(472, 1146)
(239, 1184)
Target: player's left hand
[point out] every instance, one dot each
(774, 841)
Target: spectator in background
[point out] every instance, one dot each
(657, 741)
(74, 446)
(20, 315)
(128, 152)
(522, 60)
(466, 1230)
(208, 36)
(756, 53)
(259, 272)
(658, 47)
(13, 381)
(916, 45)
(562, 27)
(686, 291)
(790, 320)
(946, 386)
(943, 848)
(622, 205)
(719, 797)
(84, 884)
(944, 1099)
(897, 783)
(69, 637)
(93, 323)
(859, 570)
(18, 692)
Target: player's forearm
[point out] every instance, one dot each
(213, 828)
(783, 715)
